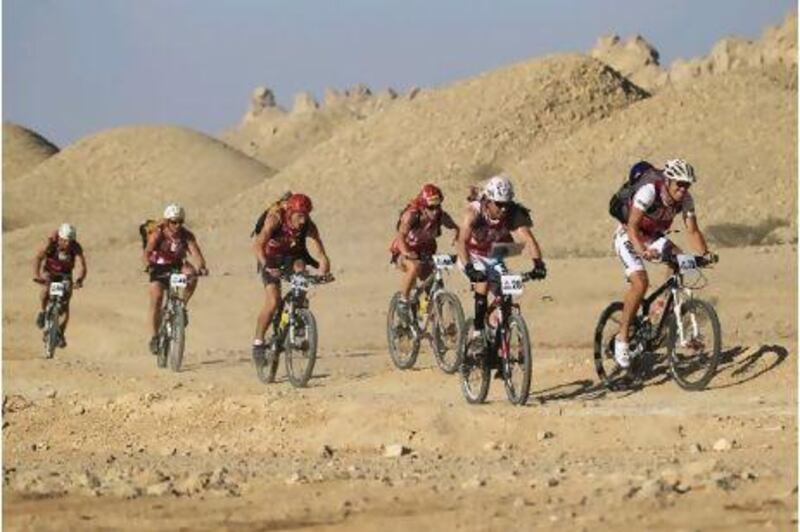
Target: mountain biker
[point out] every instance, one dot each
(281, 247)
(55, 261)
(165, 252)
(653, 207)
(420, 224)
(493, 217)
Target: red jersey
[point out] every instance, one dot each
(170, 250)
(60, 261)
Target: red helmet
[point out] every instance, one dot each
(431, 195)
(299, 203)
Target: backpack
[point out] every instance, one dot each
(259, 225)
(145, 228)
(640, 174)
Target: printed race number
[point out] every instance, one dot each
(511, 285)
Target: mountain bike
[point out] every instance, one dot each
(294, 333)
(688, 327)
(429, 305)
(174, 319)
(58, 294)
(506, 344)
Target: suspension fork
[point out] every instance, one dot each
(678, 301)
(506, 307)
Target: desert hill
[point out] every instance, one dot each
(115, 178)
(23, 149)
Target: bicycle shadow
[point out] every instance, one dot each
(583, 389)
(743, 367)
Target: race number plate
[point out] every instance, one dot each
(177, 280)
(511, 285)
(687, 263)
(299, 282)
(443, 261)
(57, 289)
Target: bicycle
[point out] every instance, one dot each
(58, 294)
(174, 319)
(294, 332)
(684, 324)
(506, 341)
(406, 329)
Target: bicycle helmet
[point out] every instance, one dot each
(174, 212)
(431, 195)
(679, 170)
(299, 203)
(67, 231)
(499, 189)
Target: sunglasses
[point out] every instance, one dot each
(502, 205)
(176, 222)
(433, 207)
(683, 185)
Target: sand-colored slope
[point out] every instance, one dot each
(363, 175)
(23, 150)
(115, 178)
(739, 130)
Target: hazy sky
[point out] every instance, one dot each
(73, 67)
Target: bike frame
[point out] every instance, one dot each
(506, 305)
(433, 285)
(677, 296)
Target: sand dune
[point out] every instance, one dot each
(23, 149)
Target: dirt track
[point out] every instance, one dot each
(99, 437)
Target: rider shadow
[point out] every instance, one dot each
(583, 389)
(742, 368)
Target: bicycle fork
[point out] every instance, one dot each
(677, 309)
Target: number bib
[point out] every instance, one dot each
(511, 285)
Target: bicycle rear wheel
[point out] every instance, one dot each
(177, 337)
(693, 360)
(301, 351)
(518, 364)
(475, 370)
(402, 335)
(605, 336)
(448, 332)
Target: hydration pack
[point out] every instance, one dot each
(272, 206)
(640, 174)
(145, 228)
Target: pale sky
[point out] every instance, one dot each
(75, 67)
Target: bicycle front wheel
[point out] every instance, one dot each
(518, 363)
(51, 331)
(694, 355)
(448, 332)
(402, 336)
(177, 338)
(301, 348)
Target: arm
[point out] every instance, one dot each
(152, 241)
(525, 235)
(695, 236)
(402, 233)
(270, 224)
(195, 252)
(635, 234)
(448, 222)
(39, 259)
(319, 250)
(464, 234)
(81, 259)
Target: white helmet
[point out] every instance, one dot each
(499, 189)
(174, 212)
(67, 231)
(679, 170)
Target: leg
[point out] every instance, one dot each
(42, 306)
(154, 310)
(411, 272)
(272, 295)
(637, 277)
(189, 271)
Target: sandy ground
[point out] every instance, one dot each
(99, 438)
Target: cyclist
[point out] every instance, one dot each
(653, 207)
(55, 261)
(493, 217)
(420, 224)
(168, 245)
(280, 247)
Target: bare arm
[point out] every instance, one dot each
(319, 250)
(82, 264)
(695, 236)
(270, 224)
(464, 234)
(402, 233)
(195, 252)
(525, 235)
(448, 222)
(38, 259)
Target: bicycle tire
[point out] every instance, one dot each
(52, 333)
(177, 341)
(440, 348)
(297, 376)
(519, 395)
(709, 362)
(402, 358)
(478, 364)
(604, 345)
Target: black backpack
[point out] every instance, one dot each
(640, 174)
(260, 221)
